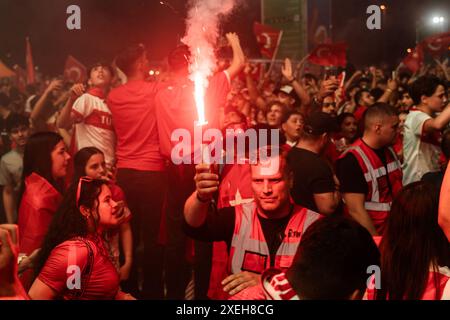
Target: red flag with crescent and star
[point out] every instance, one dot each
(268, 39)
(330, 54)
(437, 45)
(414, 60)
(74, 70)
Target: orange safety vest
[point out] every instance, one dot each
(249, 250)
(379, 198)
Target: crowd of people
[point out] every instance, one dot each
(356, 180)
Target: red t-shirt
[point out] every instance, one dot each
(37, 208)
(102, 283)
(175, 109)
(134, 120)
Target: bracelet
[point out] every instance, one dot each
(202, 200)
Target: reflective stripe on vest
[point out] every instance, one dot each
(249, 250)
(377, 206)
(372, 175)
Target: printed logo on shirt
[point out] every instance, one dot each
(100, 119)
(294, 234)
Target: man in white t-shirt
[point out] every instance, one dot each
(90, 114)
(421, 138)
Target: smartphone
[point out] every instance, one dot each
(394, 75)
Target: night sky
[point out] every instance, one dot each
(110, 25)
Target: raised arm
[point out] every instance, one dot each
(66, 119)
(196, 206)
(38, 109)
(10, 285)
(355, 75)
(438, 123)
(252, 89)
(238, 55)
(444, 204)
(287, 72)
(391, 87)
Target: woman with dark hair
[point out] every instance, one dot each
(45, 164)
(348, 131)
(73, 247)
(415, 254)
(90, 162)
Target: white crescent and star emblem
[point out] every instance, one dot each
(435, 45)
(73, 73)
(265, 39)
(323, 52)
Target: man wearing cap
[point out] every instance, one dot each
(315, 186)
(261, 234)
(369, 171)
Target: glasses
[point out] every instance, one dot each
(82, 179)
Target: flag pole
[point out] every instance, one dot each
(275, 53)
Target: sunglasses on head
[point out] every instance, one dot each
(80, 181)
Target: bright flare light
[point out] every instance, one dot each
(199, 96)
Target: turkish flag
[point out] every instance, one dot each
(437, 45)
(329, 54)
(74, 70)
(256, 72)
(268, 39)
(29, 62)
(414, 59)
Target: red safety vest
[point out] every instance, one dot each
(249, 250)
(235, 189)
(379, 198)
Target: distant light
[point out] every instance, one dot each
(152, 72)
(157, 73)
(408, 50)
(383, 7)
(438, 19)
